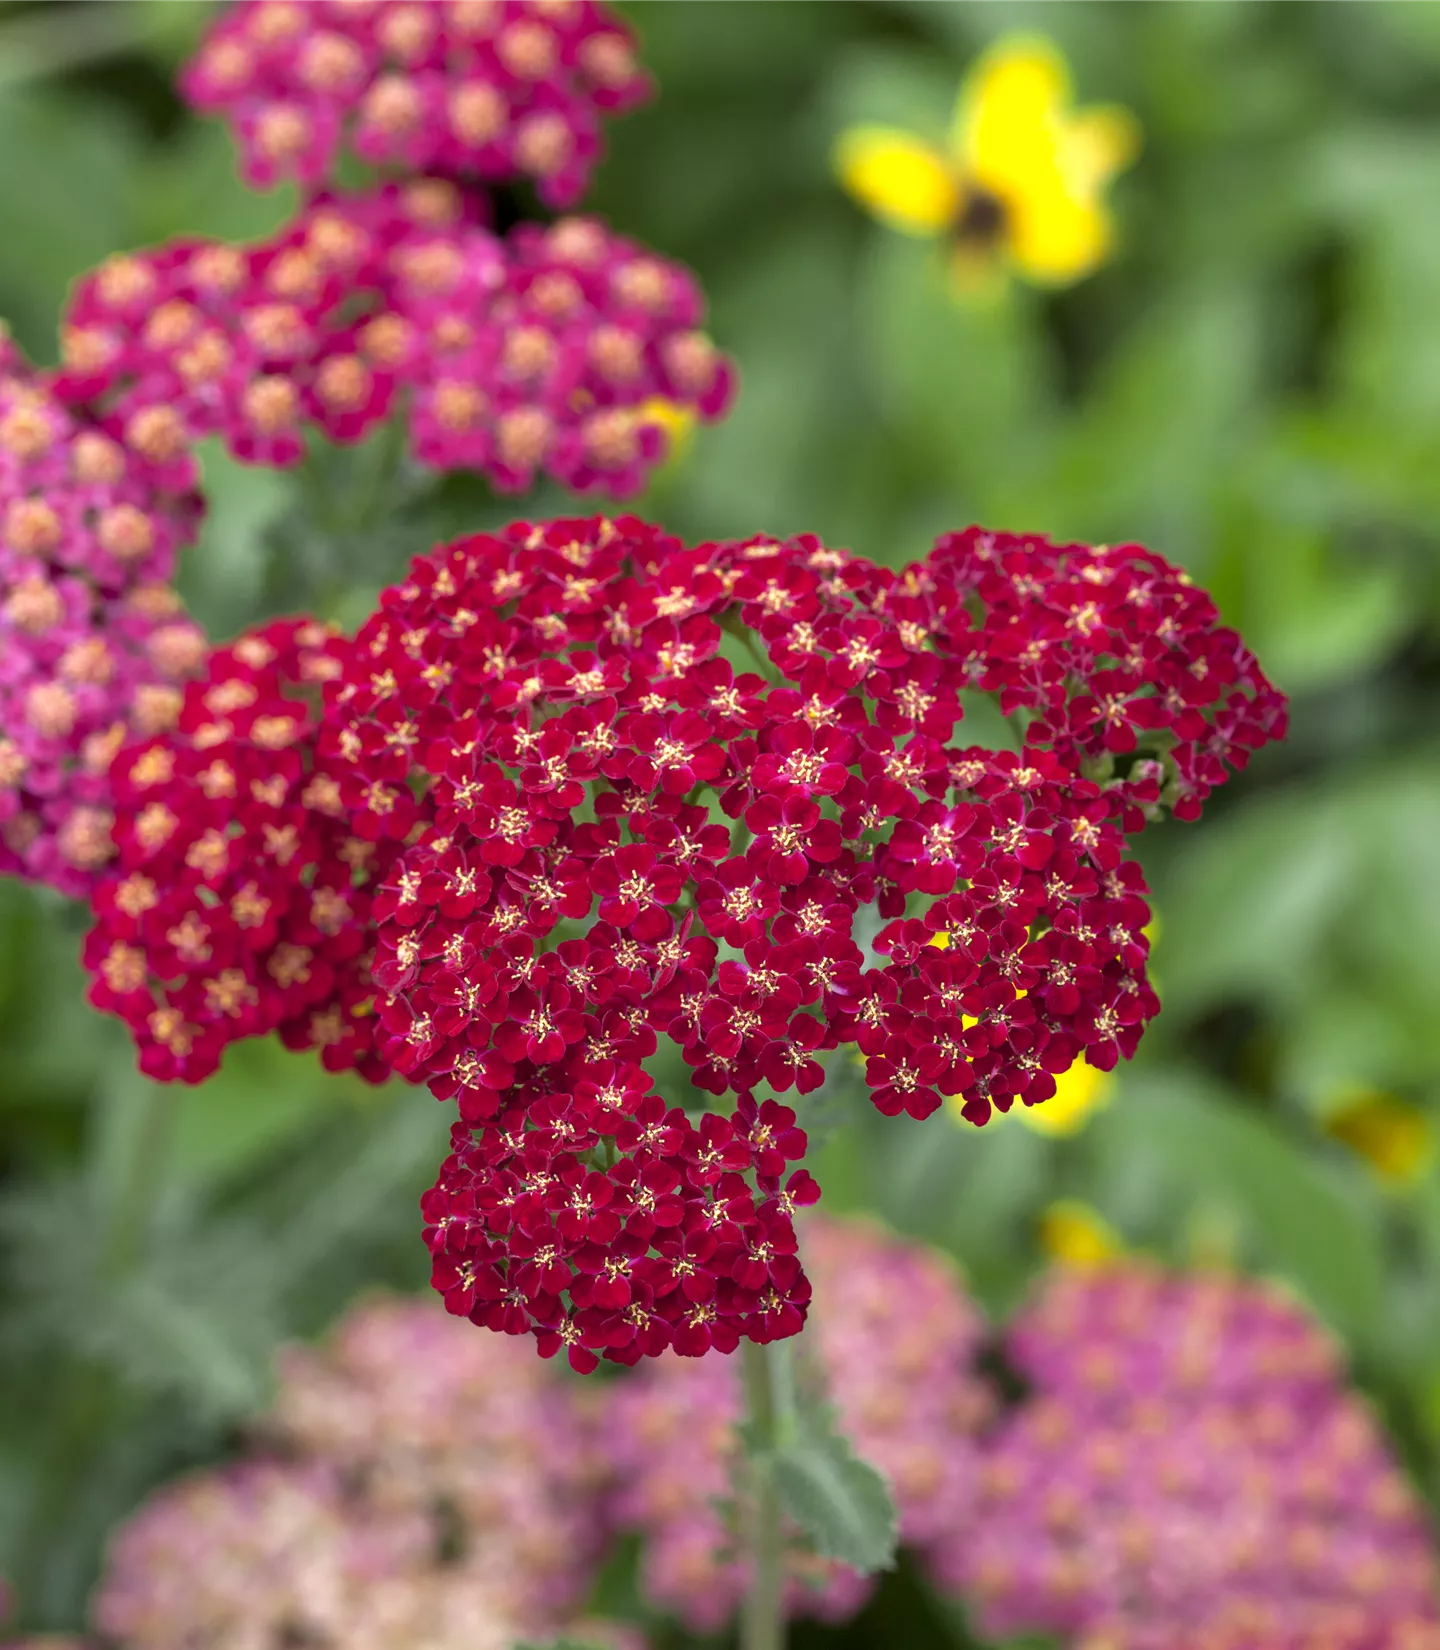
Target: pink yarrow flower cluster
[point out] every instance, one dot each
(559, 349)
(491, 90)
(1189, 1468)
(416, 1486)
(893, 1339)
(94, 643)
(239, 900)
(610, 755)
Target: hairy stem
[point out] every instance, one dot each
(767, 1401)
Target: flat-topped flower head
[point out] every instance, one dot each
(486, 90)
(238, 899)
(414, 1485)
(1019, 186)
(562, 350)
(647, 792)
(94, 644)
(1189, 1467)
(401, 1398)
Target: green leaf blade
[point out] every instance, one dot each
(841, 1502)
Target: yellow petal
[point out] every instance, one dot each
(1007, 111)
(897, 177)
(1057, 237)
(1074, 1234)
(1395, 1137)
(1016, 136)
(1095, 144)
(1079, 1093)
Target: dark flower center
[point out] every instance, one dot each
(982, 219)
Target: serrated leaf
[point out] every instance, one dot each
(841, 1502)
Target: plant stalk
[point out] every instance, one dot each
(767, 1397)
(134, 1210)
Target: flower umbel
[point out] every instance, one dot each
(1020, 181)
(429, 1488)
(490, 92)
(238, 902)
(556, 714)
(1189, 1468)
(95, 644)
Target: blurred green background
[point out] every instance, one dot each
(1251, 387)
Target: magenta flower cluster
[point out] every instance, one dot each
(493, 90)
(94, 643)
(608, 755)
(1189, 1468)
(559, 348)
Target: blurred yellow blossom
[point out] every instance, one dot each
(1021, 181)
(1079, 1093)
(676, 421)
(1074, 1234)
(1393, 1135)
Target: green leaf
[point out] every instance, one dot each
(61, 204)
(841, 1502)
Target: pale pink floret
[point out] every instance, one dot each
(421, 1486)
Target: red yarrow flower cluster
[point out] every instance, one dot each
(490, 90)
(606, 1222)
(1115, 660)
(94, 644)
(239, 900)
(1189, 1468)
(648, 791)
(560, 349)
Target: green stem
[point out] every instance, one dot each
(134, 1205)
(768, 1399)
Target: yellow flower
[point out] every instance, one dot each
(1079, 1093)
(1074, 1234)
(1022, 179)
(1395, 1137)
(675, 420)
